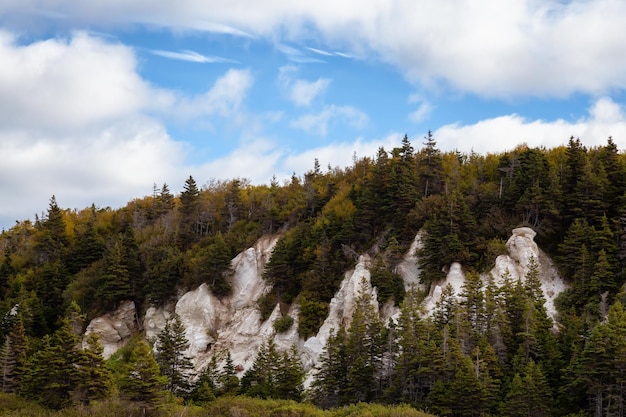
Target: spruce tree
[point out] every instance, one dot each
(52, 371)
(329, 386)
(13, 356)
(172, 345)
(94, 379)
(141, 380)
(229, 382)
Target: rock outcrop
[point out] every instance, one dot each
(116, 328)
(234, 323)
(521, 249)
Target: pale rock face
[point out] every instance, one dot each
(342, 305)
(521, 247)
(115, 329)
(455, 278)
(408, 269)
(234, 323)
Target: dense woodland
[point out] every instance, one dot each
(491, 351)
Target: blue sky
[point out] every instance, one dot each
(100, 100)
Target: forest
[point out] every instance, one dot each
(493, 350)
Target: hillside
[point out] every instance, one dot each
(414, 277)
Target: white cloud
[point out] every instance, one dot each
(304, 92)
(301, 92)
(338, 154)
(68, 83)
(488, 47)
(78, 121)
(318, 123)
(106, 167)
(422, 113)
(260, 159)
(224, 98)
(606, 118)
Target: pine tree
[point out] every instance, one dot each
(189, 201)
(274, 374)
(431, 175)
(364, 349)
(206, 386)
(329, 386)
(141, 380)
(13, 356)
(229, 382)
(529, 394)
(6, 271)
(94, 379)
(174, 364)
(52, 241)
(52, 372)
(89, 246)
(115, 285)
(604, 363)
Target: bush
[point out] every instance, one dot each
(283, 324)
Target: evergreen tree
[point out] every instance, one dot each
(141, 379)
(206, 386)
(604, 363)
(211, 265)
(174, 364)
(52, 240)
(6, 271)
(529, 395)
(115, 285)
(431, 177)
(229, 382)
(13, 356)
(364, 349)
(89, 246)
(329, 386)
(94, 379)
(52, 373)
(274, 374)
(189, 201)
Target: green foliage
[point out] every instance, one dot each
(274, 374)
(174, 364)
(312, 314)
(464, 204)
(141, 380)
(282, 324)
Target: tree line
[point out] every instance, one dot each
(464, 204)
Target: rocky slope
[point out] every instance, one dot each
(234, 323)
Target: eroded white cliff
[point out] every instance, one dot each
(234, 323)
(116, 328)
(521, 248)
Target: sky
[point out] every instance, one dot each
(102, 99)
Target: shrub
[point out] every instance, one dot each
(283, 324)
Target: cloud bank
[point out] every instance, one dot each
(486, 47)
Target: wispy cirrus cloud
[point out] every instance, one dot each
(328, 53)
(192, 56)
(297, 55)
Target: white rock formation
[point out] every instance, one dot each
(521, 247)
(215, 324)
(234, 323)
(115, 329)
(342, 305)
(408, 269)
